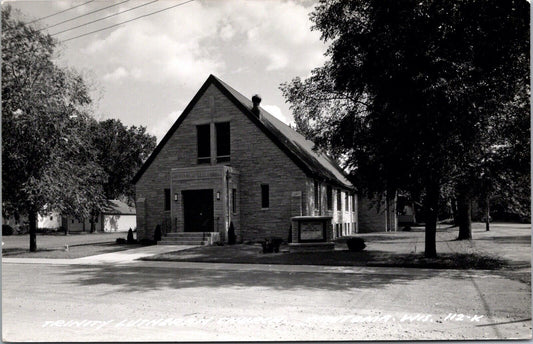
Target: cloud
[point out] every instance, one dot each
(278, 32)
(117, 74)
(162, 126)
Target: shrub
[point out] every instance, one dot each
(232, 239)
(7, 230)
(271, 244)
(355, 244)
(157, 233)
(407, 228)
(130, 239)
(121, 241)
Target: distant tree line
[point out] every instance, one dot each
(427, 98)
(55, 155)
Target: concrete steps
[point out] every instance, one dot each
(186, 238)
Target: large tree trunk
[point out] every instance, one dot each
(431, 204)
(464, 206)
(32, 218)
(92, 223)
(487, 214)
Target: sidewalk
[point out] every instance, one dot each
(120, 257)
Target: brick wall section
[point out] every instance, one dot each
(372, 219)
(257, 159)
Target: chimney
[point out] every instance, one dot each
(256, 100)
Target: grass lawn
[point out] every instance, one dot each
(76, 251)
(506, 245)
(52, 245)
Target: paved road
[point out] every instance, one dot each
(195, 301)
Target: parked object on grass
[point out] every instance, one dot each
(271, 244)
(356, 244)
(121, 241)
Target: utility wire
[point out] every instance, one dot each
(83, 15)
(127, 21)
(109, 16)
(55, 14)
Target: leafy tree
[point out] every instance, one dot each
(120, 151)
(409, 89)
(47, 159)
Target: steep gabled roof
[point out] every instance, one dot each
(300, 150)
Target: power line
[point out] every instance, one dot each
(83, 15)
(127, 21)
(109, 16)
(55, 14)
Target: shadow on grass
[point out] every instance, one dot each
(245, 254)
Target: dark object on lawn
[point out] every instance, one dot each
(147, 242)
(407, 228)
(121, 241)
(157, 233)
(7, 230)
(355, 244)
(271, 244)
(232, 239)
(130, 239)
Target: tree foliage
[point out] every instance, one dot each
(411, 89)
(47, 158)
(121, 151)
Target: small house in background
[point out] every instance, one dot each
(116, 217)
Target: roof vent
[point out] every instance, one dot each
(256, 100)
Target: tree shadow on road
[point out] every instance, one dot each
(140, 279)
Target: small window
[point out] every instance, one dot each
(339, 200)
(265, 197)
(72, 220)
(234, 200)
(167, 199)
(317, 195)
(329, 197)
(203, 135)
(223, 141)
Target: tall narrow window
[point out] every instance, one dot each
(203, 135)
(265, 197)
(234, 201)
(353, 202)
(167, 199)
(339, 200)
(223, 141)
(346, 202)
(317, 195)
(329, 197)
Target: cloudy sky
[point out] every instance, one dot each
(146, 71)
